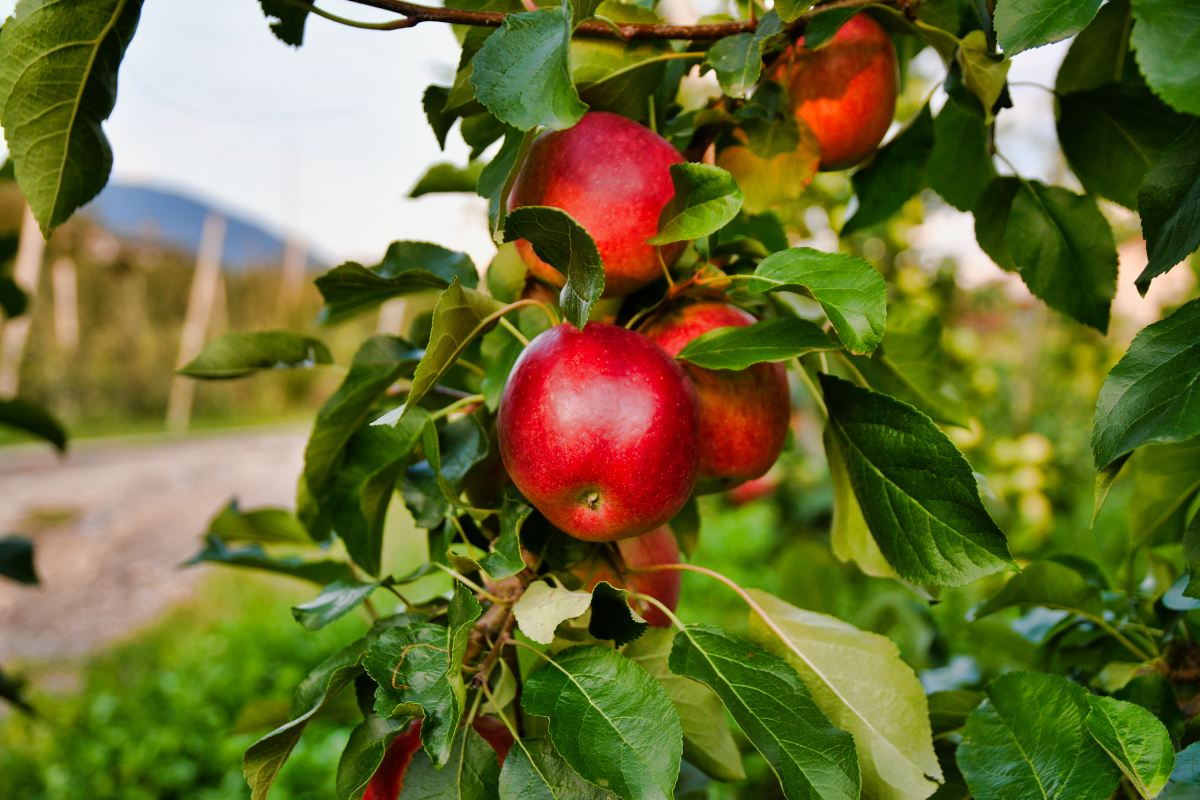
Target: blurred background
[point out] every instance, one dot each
(242, 169)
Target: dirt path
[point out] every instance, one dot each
(112, 522)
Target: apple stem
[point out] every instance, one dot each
(661, 606)
(470, 584)
(520, 337)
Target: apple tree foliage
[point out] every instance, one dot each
(600, 706)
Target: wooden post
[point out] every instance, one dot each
(64, 285)
(291, 276)
(195, 323)
(26, 273)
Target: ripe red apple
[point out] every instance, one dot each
(743, 414)
(495, 733)
(613, 176)
(648, 550)
(388, 780)
(845, 90)
(598, 429)
(752, 490)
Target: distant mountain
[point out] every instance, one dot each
(174, 219)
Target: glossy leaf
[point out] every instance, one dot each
(707, 740)
(737, 59)
(445, 177)
(860, 683)
(34, 420)
(1028, 740)
(706, 199)
(1025, 24)
(850, 290)
(811, 758)
(364, 753)
(505, 558)
(460, 315)
(562, 243)
(1048, 584)
(960, 165)
(334, 601)
(16, 560)
(321, 572)
(263, 525)
(534, 771)
(1164, 40)
(610, 720)
(543, 607)
(472, 773)
(58, 84)
(237, 354)
(496, 179)
(1151, 395)
(894, 175)
(1169, 204)
(1135, 740)
(931, 532)
(737, 348)
(407, 267)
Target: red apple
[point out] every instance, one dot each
(743, 414)
(496, 733)
(845, 90)
(598, 429)
(613, 176)
(388, 780)
(752, 490)
(648, 550)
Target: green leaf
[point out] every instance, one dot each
(445, 177)
(850, 290)
(16, 560)
(1025, 24)
(407, 268)
(991, 220)
(364, 753)
(610, 720)
(822, 27)
(849, 536)
(1185, 779)
(379, 362)
(983, 72)
(534, 771)
(1028, 740)
(791, 10)
(931, 532)
(1100, 53)
(543, 607)
(471, 773)
(459, 316)
(433, 101)
(523, 74)
(1169, 204)
(1165, 477)
(1048, 584)
(1135, 740)
(262, 525)
(12, 690)
(266, 757)
(562, 243)
(1164, 38)
(895, 174)
(30, 418)
(1152, 395)
(706, 199)
(613, 616)
(216, 551)
(811, 758)
(860, 683)
(1191, 552)
(505, 559)
(737, 59)
(1063, 248)
(335, 600)
(237, 354)
(707, 740)
(960, 165)
(287, 20)
(770, 340)
(948, 711)
(496, 179)
(452, 452)
(58, 84)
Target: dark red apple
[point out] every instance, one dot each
(648, 550)
(388, 780)
(743, 414)
(845, 90)
(496, 733)
(613, 176)
(598, 429)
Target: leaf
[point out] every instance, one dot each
(444, 177)
(769, 340)
(459, 316)
(849, 289)
(1152, 395)
(932, 532)
(407, 267)
(811, 758)
(16, 560)
(1048, 584)
(12, 690)
(335, 600)
(1100, 53)
(895, 174)
(287, 20)
(1135, 740)
(451, 453)
(262, 525)
(543, 607)
(991, 219)
(496, 179)
(1191, 552)
(706, 199)
(364, 753)
(379, 362)
(523, 75)
(562, 242)
(609, 720)
(849, 537)
(984, 72)
(1025, 24)
(707, 740)
(534, 771)
(860, 683)
(321, 572)
(33, 419)
(1028, 740)
(1168, 202)
(1164, 40)
(613, 617)
(960, 165)
(237, 354)
(505, 559)
(1063, 248)
(1185, 779)
(737, 59)
(471, 773)
(58, 83)
(433, 102)
(13, 300)
(948, 711)
(822, 27)
(266, 757)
